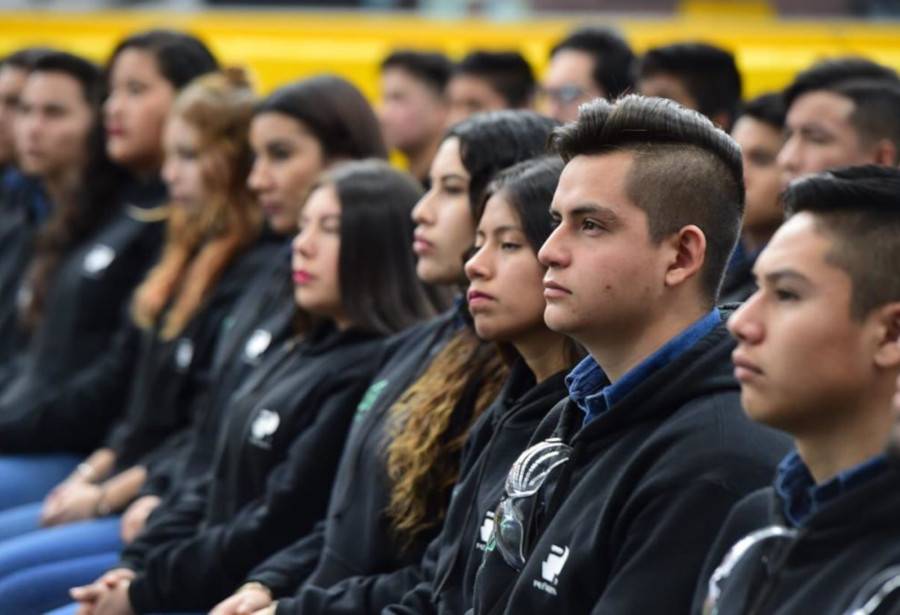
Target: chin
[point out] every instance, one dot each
(556, 321)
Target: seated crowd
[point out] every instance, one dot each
(616, 342)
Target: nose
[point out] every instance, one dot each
(745, 324)
(788, 159)
(259, 179)
(423, 212)
(552, 254)
(169, 172)
(476, 267)
(303, 244)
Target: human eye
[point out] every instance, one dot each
(590, 225)
(785, 295)
(510, 246)
(135, 88)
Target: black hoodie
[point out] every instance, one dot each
(86, 307)
(453, 558)
(840, 557)
(271, 478)
(624, 525)
(356, 537)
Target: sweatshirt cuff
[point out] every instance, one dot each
(139, 595)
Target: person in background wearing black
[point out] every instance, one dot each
(296, 133)
(507, 304)
(840, 112)
(824, 538)
(759, 130)
(589, 63)
(610, 509)
(403, 453)
(85, 305)
(696, 75)
(281, 440)
(489, 81)
(413, 110)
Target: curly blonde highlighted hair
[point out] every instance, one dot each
(200, 245)
(432, 420)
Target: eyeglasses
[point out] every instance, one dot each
(874, 593)
(516, 510)
(735, 555)
(563, 95)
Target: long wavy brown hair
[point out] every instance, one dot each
(432, 421)
(200, 245)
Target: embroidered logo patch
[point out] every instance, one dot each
(98, 259)
(257, 344)
(486, 531)
(551, 568)
(264, 427)
(369, 399)
(184, 353)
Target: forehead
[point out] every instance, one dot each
(751, 132)
(498, 212)
(133, 63)
(397, 78)
(595, 179)
(12, 78)
(273, 124)
(570, 66)
(820, 106)
(470, 86)
(323, 201)
(800, 245)
(448, 160)
(667, 85)
(52, 85)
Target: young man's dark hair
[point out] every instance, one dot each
(703, 77)
(677, 151)
(588, 63)
(25, 58)
(827, 73)
(625, 478)
(829, 301)
(613, 58)
(507, 72)
(428, 67)
(766, 108)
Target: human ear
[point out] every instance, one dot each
(886, 153)
(887, 353)
(689, 254)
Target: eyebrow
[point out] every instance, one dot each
(444, 178)
(605, 213)
(774, 277)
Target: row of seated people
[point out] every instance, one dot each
(255, 369)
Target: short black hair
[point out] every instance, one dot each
(507, 72)
(876, 109)
(685, 171)
(490, 142)
(24, 59)
(613, 58)
(430, 67)
(180, 57)
(766, 108)
(334, 111)
(828, 73)
(380, 291)
(859, 207)
(89, 75)
(709, 74)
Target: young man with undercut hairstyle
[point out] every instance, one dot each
(697, 75)
(589, 63)
(613, 507)
(841, 112)
(413, 111)
(818, 357)
(489, 81)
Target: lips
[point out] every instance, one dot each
(421, 245)
(302, 277)
(552, 290)
(477, 299)
(744, 369)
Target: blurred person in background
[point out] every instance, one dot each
(698, 76)
(588, 63)
(489, 81)
(413, 110)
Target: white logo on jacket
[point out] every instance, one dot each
(98, 259)
(486, 531)
(264, 427)
(257, 344)
(184, 353)
(551, 568)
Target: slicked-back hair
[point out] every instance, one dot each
(334, 111)
(489, 142)
(876, 109)
(613, 58)
(828, 73)
(859, 207)
(709, 74)
(685, 170)
(24, 59)
(377, 268)
(766, 108)
(430, 67)
(180, 57)
(507, 72)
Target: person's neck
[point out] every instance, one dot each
(544, 352)
(831, 447)
(618, 352)
(419, 158)
(62, 187)
(755, 239)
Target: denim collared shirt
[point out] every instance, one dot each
(587, 383)
(802, 497)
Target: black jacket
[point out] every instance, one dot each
(260, 320)
(841, 556)
(170, 375)
(272, 474)
(453, 558)
(624, 525)
(85, 310)
(356, 537)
